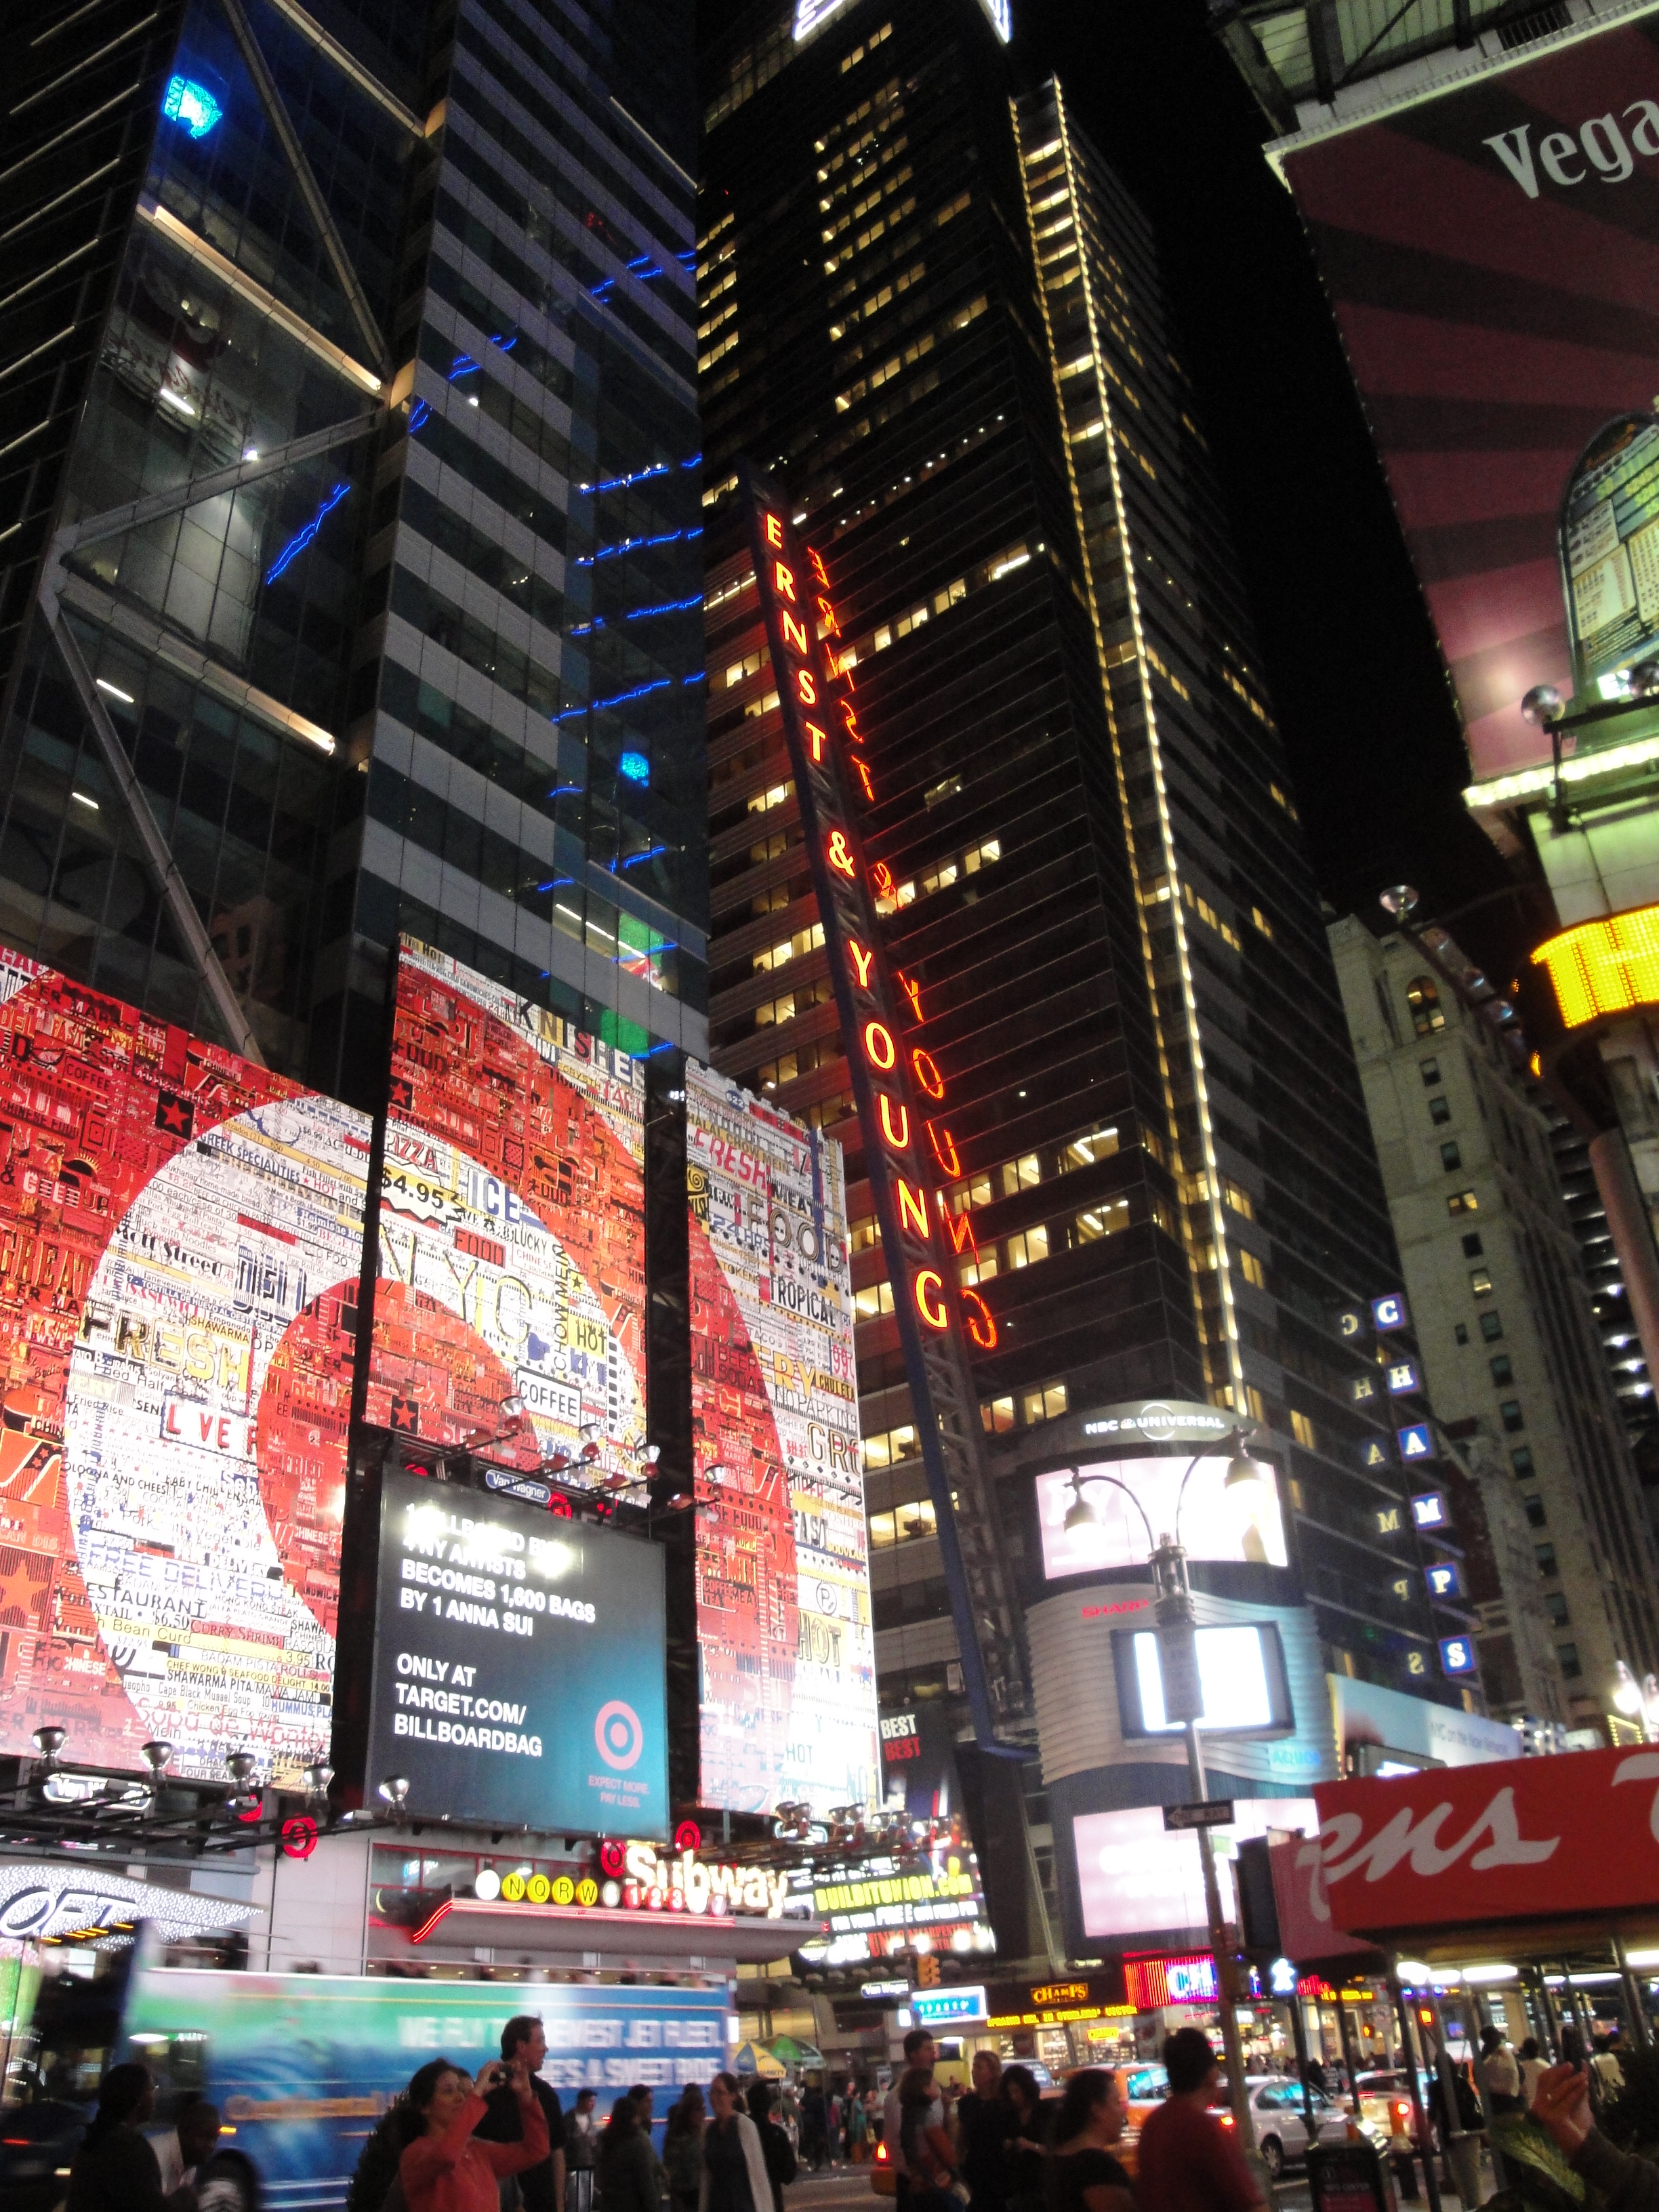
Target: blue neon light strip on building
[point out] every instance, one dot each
(635, 768)
(621, 698)
(301, 538)
(633, 545)
(191, 105)
(634, 858)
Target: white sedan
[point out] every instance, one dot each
(1281, 2130)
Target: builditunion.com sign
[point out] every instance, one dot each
(518, 1664)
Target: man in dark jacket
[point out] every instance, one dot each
(1561, 2105)
(115, 2170)
(782, 2166)
(543, 2185)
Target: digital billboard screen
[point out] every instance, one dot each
(180, 1245)
(786, 1645)
(512, 1228)
(1492, 255)
(518, 1664)
(1241, 1523)
(882, 1904)
(1135, 1880)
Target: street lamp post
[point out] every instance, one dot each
(1183, 1700)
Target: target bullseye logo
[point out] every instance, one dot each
(618, 1736)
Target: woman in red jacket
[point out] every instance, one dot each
(444, 2167)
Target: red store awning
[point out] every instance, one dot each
(1565, 1840)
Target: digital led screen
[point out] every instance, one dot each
(1134, 1879)
(1240, 1671)
(787, 1645)
(511, 1236)
(518, 1664)
(181, 1243)
(1216, 1524)
(883, 1904)
(1487, 252)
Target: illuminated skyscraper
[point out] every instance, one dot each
(933, 313)
(359, 576)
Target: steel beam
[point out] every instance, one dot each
(310, 191)
(180, 906)
(115, 520)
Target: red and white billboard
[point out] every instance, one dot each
(1492, 256)
(1517, 1839)
(512, 1227)
(787, 1645)
(180, 1242)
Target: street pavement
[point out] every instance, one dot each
(847, 2189)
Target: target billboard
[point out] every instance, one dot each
(180, 1244)
(787, 1647)
(512, 1227)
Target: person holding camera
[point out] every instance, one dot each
(444, 2166)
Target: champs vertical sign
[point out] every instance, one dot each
(902, 1102)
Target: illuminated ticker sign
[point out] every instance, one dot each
(901, 1094)
(1605, 967)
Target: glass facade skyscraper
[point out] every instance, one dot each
(370, 600)
(932, 312)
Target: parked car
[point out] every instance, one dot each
(1281, 2131)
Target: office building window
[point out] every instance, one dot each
(1491, 1324)
(1430, 1070)
(1043, 1405)
(1423, 997)
(1480, 1278)
(1512, 1416)
(1545, 1555)
(1521, 1460)
(1471, 1245)
(1555, 1605)
(1303, 1430)
(1450, 1157)
(1503, 1368)
(997, 1416)
(1462, 1201)
(1536, 1517)
(1568, 1654)
(1439, 1109)
(1461, 1331)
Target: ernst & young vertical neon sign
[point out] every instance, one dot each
(902, 1098)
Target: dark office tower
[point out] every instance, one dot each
(1284, 1214)
(936, 320)
(367, 599)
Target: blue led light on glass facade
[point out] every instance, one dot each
(191, 105)
(635, 768)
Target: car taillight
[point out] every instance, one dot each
(1225, 2118)
(1402, 2110)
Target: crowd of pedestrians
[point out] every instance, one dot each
(501, 2141)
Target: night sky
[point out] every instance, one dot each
(1373, 738)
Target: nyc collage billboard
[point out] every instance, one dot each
(180, 1245)
(1492, 256)
(787, 1648)
(512, 1225)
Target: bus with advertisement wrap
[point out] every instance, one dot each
(302, 2066)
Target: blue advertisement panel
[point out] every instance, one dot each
(518, 1666)
(303, 2065)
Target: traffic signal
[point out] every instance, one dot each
(927, 1972)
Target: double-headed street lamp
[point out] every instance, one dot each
(1183, 1701)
